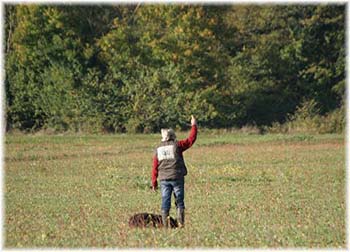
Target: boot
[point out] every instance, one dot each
(165, 217)
(181, 217)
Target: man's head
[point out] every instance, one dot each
(168, 134)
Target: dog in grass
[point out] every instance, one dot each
(150, 220)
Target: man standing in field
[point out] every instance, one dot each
(169, 164)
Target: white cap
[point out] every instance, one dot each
(168, 134)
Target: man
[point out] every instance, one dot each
(169, 165)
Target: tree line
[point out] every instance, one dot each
(137, 68)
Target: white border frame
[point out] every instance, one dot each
(88, 2)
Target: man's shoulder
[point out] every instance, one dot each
(164, 143)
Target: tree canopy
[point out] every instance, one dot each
(137, 68)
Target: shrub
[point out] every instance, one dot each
(307, 119)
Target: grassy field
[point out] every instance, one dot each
(241, 191)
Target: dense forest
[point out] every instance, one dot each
(137, 68)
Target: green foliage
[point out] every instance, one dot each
(138, 68)
(307, 119)
(271, 75)
(323, 47)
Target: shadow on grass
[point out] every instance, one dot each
(64, 156)
(256, 180)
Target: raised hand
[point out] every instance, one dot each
(193, 120)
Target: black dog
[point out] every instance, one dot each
(150, 220)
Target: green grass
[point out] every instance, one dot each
(241, 191)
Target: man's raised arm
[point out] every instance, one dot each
(188, 142)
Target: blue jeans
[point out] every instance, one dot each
(169, 186)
